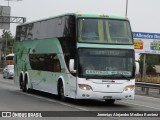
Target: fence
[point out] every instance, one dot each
(146, 86)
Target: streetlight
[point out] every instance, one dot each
(12, 0)
(126, 6)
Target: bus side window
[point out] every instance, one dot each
(56, 64)
(57, 67)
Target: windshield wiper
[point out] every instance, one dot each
(119, 75)
(107, 77)
(123, 76)
(88, 77)
(96, 77)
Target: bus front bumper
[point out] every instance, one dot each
(104, 95)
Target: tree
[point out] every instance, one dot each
(151, 61)
(6, 40)
(6, 43)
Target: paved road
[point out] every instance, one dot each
(13, 99)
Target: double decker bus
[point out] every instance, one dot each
(54, 55)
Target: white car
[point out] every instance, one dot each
(8, 71)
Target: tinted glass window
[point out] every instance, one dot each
(63, 26)
(104, 31)
(45, 62)
(9, 57)
(106, 63)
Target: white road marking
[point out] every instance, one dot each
(140, 105)
(158, 99)
(61, 103)
(79, 108)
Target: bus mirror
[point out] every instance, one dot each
(71, 66)
(137, 68)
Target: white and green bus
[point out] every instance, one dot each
(79, 56)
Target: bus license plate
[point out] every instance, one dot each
(107, 97)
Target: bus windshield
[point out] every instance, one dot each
(106, 63)
(110, 31)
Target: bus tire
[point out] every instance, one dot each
(21, 82)
(26, 86)
(110, 101)
(61, 91)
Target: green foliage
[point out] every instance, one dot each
(150, 69)
(6, 36)
(151, 61)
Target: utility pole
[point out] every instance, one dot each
(126, 7)
(144, 66)
(6, 39)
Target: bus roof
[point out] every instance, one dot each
(11, 54)
(81, 14)
(99, 15)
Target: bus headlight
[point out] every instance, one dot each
(129, 88)
(84, 87)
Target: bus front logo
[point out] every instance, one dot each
(108, 86)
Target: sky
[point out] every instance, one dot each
(144, 15)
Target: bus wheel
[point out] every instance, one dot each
(110, 101)
(21, 82)
(61, 92)
(25, 86)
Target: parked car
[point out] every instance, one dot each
(8, 71)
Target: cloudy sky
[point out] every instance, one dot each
(144, 15)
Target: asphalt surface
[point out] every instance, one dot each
(13, 99)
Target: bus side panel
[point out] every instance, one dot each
(41, 79)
